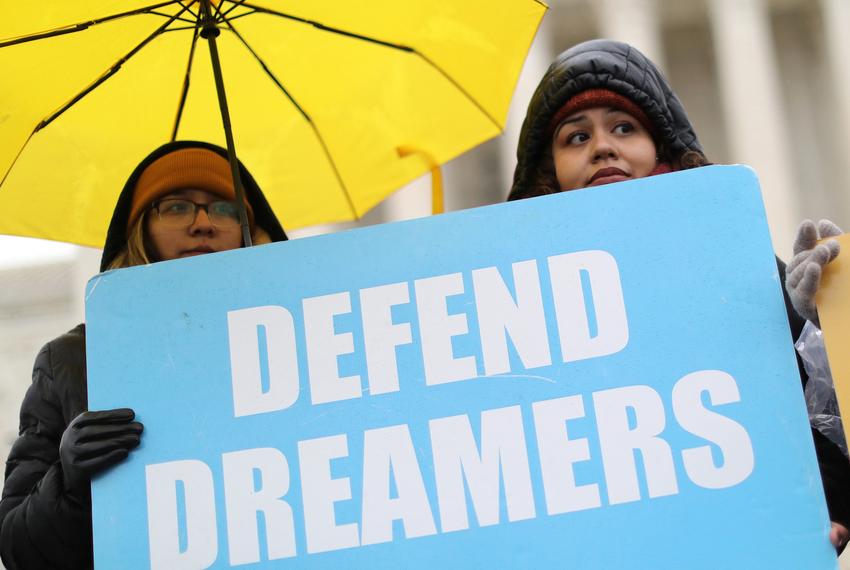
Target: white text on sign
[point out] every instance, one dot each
(431, 483)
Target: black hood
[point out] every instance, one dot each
(601, 64)
(116, 236)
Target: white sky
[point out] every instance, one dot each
(18, 251)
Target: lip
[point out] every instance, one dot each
(607, 176)
(200, 250)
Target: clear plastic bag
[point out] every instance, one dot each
(820, 392)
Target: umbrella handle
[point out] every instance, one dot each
(436, 176)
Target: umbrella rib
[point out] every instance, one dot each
(268, 71)
(17, 156)
(184, 91)
(181, 29)
(81, 26)
(238, 16)
(106, 75)
(304, 114)
(324, 28)
(187, 7)
(236, 5)
(384, 43)
(187, 20)
(217, 14)
(460, 88)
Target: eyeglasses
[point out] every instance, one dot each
(179, 213)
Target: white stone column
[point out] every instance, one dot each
(635, 22)
(836, 20)
(539, 57)
(752, 103)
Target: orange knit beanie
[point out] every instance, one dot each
(186, 168)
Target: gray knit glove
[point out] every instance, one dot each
(802, 275)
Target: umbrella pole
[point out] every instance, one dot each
(209, 31)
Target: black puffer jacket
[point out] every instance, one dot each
(605, 64)
(40, 525)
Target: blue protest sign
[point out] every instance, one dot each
(598, 379)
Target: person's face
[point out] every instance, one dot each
(599, 146)
(195, 238)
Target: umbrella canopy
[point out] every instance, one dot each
(322, 97)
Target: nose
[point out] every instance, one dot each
(202, 224)
(604, 147)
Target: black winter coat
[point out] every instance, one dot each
(618, 67)
(40, 525)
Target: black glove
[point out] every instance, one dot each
(94, 441)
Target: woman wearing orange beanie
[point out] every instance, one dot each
(179, 202)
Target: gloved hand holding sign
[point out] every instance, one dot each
(802, 280)
(802, 276)
(94, 441)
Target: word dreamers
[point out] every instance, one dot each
(586, 298)
(439, 476)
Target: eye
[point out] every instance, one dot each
(623, 128)
(175, 207)
(224, 209)
(577, 137)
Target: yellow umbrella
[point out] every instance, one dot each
(333, 104)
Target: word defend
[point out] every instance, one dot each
(499, 314)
